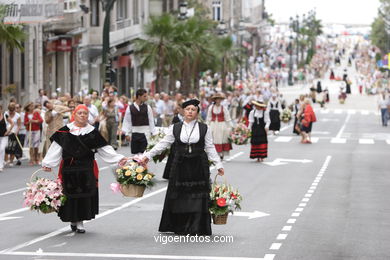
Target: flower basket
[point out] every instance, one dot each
(286, 116)
(44, 195)
(220, 219)
(131, 190)
(133, 178)
(223, 200)
(342, 101)
(240, 135)
(153, 140)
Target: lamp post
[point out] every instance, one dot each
(107, 7)
(241, 30)
(222, 31)
(183, 10)
(290, 65)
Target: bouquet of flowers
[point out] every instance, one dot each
(44, 195)
(133, 179)
(153, 140)
(240, 135)
(224, 199)
(286, 115)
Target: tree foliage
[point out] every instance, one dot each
(11, 35)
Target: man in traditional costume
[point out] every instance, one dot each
(186, 206)
(138, 122)
(73, 148)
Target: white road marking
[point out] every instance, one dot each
(250, 215)
(339, 134)
(128, 256)
(287, 228)
(285, 128)
(12, 191)
(295, 214)
(338, 140)
(366, 141)
(364, 112)
(283, 139)
(305, 199)
(275, 246)
(338, 111)
(325, 111)
(6, 214)
(291, 221)
(315, 140)
(351, 111)
(388, 141)
(61, 230)
(281, 236)
(299, 209)
(269, 257)
(302, 204)
(310, 191)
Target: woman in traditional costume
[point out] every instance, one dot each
(73, 147)
(218, 118)
(186, 206)
(275, 109)
(259, 122)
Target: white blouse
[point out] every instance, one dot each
(259, 114)
(186, 137)
(217, 110)
(54, 154)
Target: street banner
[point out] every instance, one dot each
(32, 11)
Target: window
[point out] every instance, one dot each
(11, 67)
(217, 11)
(136, 11)
(34, 61)
(121, 10)
(1, 70)
(22, 65)
(94, 5)
(71, 6)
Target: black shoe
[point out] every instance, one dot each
(18, 163)
(81, 231)
(73, 228)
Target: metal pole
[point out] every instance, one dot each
(107, 6)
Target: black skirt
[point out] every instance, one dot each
(275, 120)
(186, 207)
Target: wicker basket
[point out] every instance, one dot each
(220, 219)
(51, 210)
(131, 190)
(342, 101)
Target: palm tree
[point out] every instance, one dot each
(159, 51)
(11, 35)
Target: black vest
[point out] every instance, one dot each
(139, 117)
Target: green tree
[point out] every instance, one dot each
(11, 35)
(159, 50)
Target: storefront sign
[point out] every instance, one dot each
(33, 11)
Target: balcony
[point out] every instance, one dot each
(70, 22)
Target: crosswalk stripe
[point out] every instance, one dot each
(338, 111)
(338, 140)
(366, 141)
(315, 140)
(283, 139)
(388, 141)
(351, 111)
(364, 112)
(324, 111)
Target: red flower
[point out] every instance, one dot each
(233, 196)
(216, 189)
(221, 202)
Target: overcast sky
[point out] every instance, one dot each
(329, 11)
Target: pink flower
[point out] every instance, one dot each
(115, 187)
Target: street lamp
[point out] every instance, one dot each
(241, 29)
(183, 10)
(107, 7)
(290, 67)
(221, 28)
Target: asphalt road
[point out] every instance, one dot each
(330, 203)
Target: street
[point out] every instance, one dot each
(321, 201)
